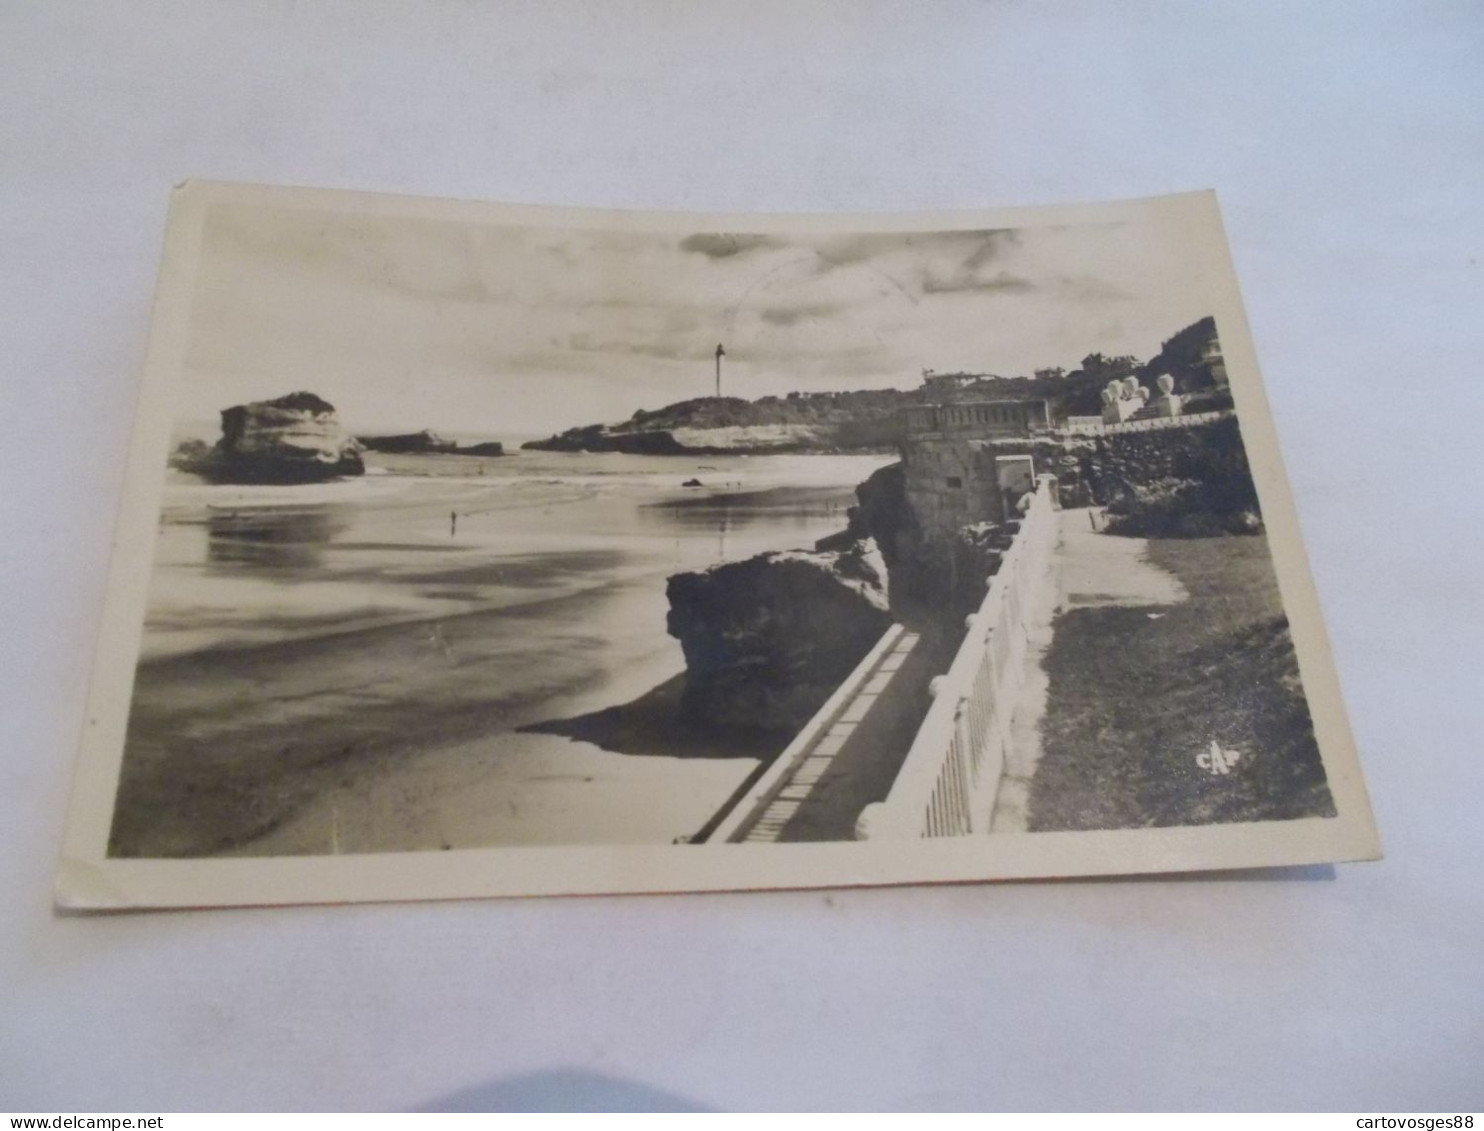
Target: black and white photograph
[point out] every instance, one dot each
(837, 558)
(462, 530)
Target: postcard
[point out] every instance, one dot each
(482, 550)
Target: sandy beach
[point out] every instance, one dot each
(450, 652)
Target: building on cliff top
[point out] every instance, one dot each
(989, 419)
(949, 382)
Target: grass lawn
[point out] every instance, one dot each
(1133, 701)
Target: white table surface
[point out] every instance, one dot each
(1347, 141)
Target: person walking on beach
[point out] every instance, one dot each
(453, 523)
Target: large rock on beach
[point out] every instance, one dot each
(293, 439)
(767, 640)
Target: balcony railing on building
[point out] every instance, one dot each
(983, 418)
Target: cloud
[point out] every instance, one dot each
(846, 251)
(724, 245)
(983, 245)
(419, 259)
(793, 315)
(1089, 288)
(492, 326)
(970, 273)
(992, 244)
(584, 342)
(1001, 283)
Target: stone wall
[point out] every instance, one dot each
(954, 502)
(1180, 482)
(1090, 469)
(951, 482)
(1113, 467)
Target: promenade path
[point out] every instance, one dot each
(1089, 569)
(815, 792)
(850, 755)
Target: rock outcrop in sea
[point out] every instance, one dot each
(428, 442)
(293, 439)
(767, 640)
(597, 438)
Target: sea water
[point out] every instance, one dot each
(462, 603)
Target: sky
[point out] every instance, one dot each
(487, 329)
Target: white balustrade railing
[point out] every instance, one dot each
(948, 782)
(1151, 424)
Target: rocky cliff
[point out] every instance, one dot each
(769, 639)
(883, 515)
(736, 439)
(928, 579)
(293, 439)
(870, 419)
(598, 438)
(820, 422)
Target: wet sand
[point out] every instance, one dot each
(349, 673)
